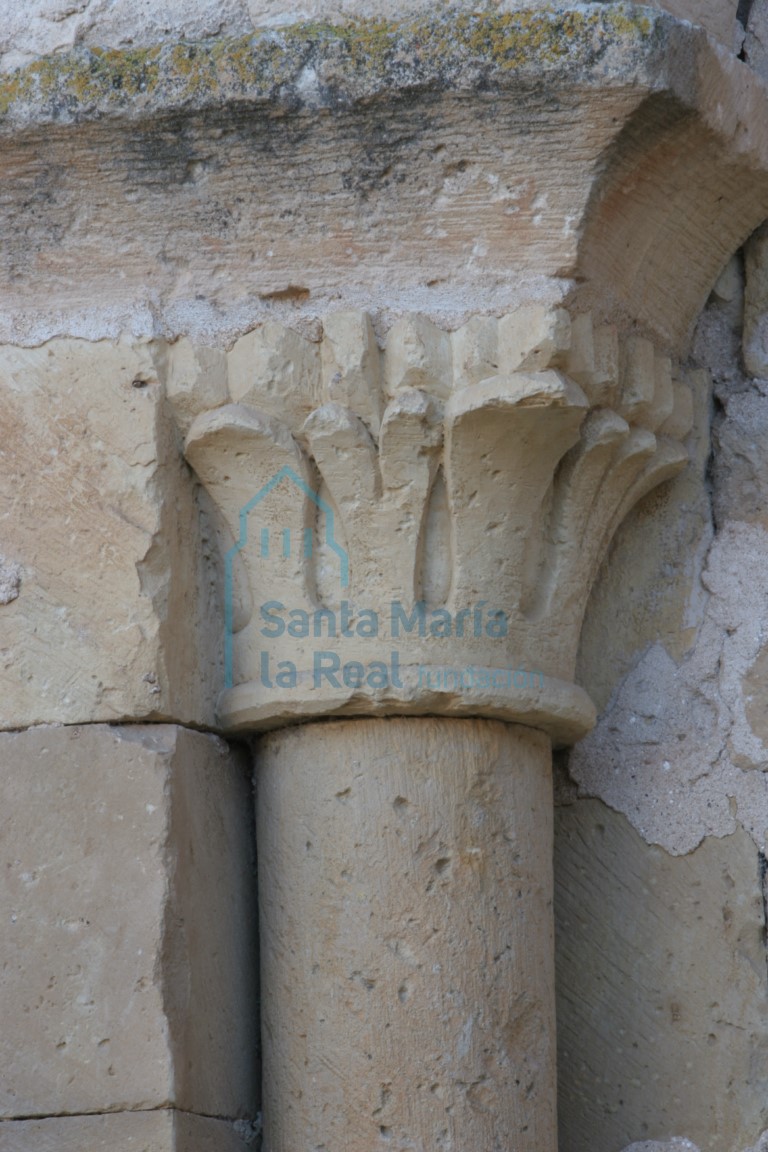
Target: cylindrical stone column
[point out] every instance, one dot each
(405, 873)
(415, 533)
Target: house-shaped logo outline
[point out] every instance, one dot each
(330, 538)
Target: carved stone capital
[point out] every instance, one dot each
(416, 530)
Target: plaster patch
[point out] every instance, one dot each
(675, 750)
(674, 1145)
(677, 1144)
(10, 581)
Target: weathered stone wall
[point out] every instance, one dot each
(662, 885)
(162, 208)
(128, 980)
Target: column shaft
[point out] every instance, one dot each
(406, 936)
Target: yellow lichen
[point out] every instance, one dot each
(361, 49)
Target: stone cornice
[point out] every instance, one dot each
(314, 64)
(417, 530)
(396, 167)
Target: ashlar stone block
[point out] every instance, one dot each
(106, 600)
(129, 969)
(662, 1006)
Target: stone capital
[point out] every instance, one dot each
(416, 529)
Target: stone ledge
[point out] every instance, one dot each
(326, 65)
(392, 166)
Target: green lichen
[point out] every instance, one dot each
(446, 47)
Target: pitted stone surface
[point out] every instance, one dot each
(392, 554)
(662, 1009)
(405, 902)
(177, 262)
(106, 601)
(128, 914)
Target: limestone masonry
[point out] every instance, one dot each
(383, 594)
